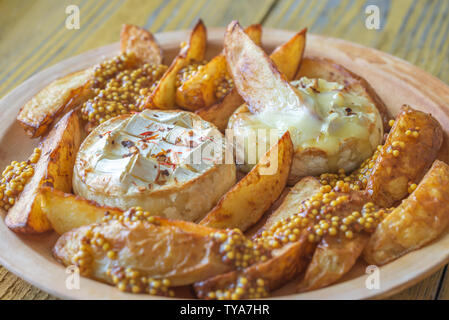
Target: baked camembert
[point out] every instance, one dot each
(170, 163)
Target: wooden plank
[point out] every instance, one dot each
(101, 22)
(443, 293)
(414, 30)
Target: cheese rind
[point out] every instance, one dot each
(170, 163)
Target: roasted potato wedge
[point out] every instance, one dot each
(164, 95)
(418, 220)
(54, 169)
(200, 90)
(286, 57)
(219, 113)
(66, 211)
(263, 277)
(321, 68)
(300, 192)
(411, 147)
(246, 202)
(141, 42)
(181, 252)
(332, 259)
(60, 96)
(261, 85)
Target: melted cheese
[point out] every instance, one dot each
(327, 118)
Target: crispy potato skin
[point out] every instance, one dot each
(246, 202)
(312, 67)
(333, 258)
(303, 190)
(288, 57)
(53, 169)
(260, 84)
(141, 42)
(286, 263)
(419, 219)
(176, 251)
(198, 92)
(390, 177)
(58, 97)
(164, 95)
(220, 113)
(66, 211)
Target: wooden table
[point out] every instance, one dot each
(33, 37)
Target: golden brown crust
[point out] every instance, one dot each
(53, 169)
(246, 202)
(60, 96)
(140, 42)
(332, 259)
(399, 166)
(419, 219)
(164, 95)
(169, 251)
(286, 263)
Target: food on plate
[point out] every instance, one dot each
(246, 202)
(66, 211)
(14, 178)
(333, 258)
(141, 43)
(171, 163)
(191, 54)
(113, 87)
(257, 280)
(53, 168)
(203, 85)
(331, 127)
(139, 252)
(326, 69)
(64, 94)
(287, 57)
(149, 201)
(418, 220)
(410, 149)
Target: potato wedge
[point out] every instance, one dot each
(246, 202)
(285, 264)
(287, 57)
(219, 113)
(66, 211)
(60, 96)
(181, 252)
(300, 192)
(405, 156)
(418, 220)
(200, 90)
(54, 169)
(332, 259)
(164, 95)
(261, 84)
(321, 68)
(141, 42)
